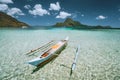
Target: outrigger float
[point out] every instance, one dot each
(49, 54)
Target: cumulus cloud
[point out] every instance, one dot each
(38, 10)
(15, 12)
(100, 17)
(27, 6)
(11, 11)
(63, 15)
(54, 6)
(6, 1)
(3, 7)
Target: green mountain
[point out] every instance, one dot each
(8, 21)
(68, 22)
(77, 25)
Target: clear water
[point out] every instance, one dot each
(99, 56)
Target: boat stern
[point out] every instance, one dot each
(35, 61)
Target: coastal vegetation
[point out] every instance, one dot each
(77, 25)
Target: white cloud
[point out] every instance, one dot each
(11, 11)
(38, 10)
(27, 6)
(6, 1)
(15, 12)
(3, 7)
(54, 6)
(63, 15)
(82, 15)
(100, 17)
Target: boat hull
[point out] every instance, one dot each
(42, 61)
(52, 56)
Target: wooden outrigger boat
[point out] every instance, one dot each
(50, 53)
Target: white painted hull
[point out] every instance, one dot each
(41, 60)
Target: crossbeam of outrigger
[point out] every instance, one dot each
(43, 46)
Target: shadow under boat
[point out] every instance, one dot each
(51, 59)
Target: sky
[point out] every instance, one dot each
(48, 12)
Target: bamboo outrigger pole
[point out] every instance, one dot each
(75, 60)
(39, 47)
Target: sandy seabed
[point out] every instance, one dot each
(99, 55)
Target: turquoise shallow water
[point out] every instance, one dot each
(99, 57)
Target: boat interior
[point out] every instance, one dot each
(45, 54)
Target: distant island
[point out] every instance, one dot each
(70, 23)
(8, 21)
